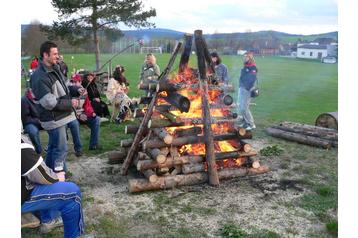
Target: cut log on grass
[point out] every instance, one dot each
(299, 138)
(147, 116)
(117, 156)
(141, 185)
(328, 120)
(164, 135)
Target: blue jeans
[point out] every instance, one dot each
(57, 147)
(34, 135)
(61, 198)
(75, 132)
(244, 106)
(94, 123)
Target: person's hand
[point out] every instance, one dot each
(74, 103)
(81, 91)
(150, 77)
(97, 99)
(61, 176)
(94, 114)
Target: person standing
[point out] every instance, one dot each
(34, 63)
(220, 69)
(150, 71)
(30, 120)
(63, 66)
(54, 103)
(248, 78)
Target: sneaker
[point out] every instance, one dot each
(78, 153)
(104, 119)
(249, 128)
(49, 226)
(95, 147)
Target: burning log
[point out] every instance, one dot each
(139, 134)
(195, 130)
(303, 139)
(158, 123)
(173, 87)
(209, 142)
(138, 113)
(145, 100)
(140, 185)
(168, 108)
(184, 59)
(178, 101)
(170, 116)
(157, 143)
(164, 135)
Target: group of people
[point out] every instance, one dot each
(54, 104)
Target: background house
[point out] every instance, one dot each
(311, 51)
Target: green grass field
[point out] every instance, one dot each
(290, 89)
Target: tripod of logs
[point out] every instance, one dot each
(163, 148)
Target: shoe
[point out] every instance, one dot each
(86, 236)
(95, 147)
(249, 128)
(104, 119)
(28, 220)
(78, 153)
(49, 226)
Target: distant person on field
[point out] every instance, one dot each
(248, 78)
(30, 120)
(150, 71)
(54, 103)
(100, 107)
(34, 63)
(85, 115)
(116, 93)
(220, 69)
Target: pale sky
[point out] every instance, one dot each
(223, 16)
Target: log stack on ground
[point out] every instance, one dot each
(305, 134)
(186, 132)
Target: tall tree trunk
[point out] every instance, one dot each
(96, 42)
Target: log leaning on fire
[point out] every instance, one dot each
(299, 138)
(181, 160)
(140, 185)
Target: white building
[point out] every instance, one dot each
(312, 51)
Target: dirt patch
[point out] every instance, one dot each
(263, 202)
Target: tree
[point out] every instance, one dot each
(81, 20)
(32, 38)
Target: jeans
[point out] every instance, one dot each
(244, 106)
(94, 123)
(61, 198)
(34, 135)
(75, 132)
(57, 147)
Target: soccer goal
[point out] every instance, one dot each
(146, 50)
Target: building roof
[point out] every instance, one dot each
(317, 47)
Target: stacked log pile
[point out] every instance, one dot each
(305, 134)
(173, 144)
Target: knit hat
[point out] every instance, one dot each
(76, 78)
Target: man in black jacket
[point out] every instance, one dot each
(54, 102)
(30, 120)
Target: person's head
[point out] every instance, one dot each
(249, 58)
(49, 53)
(89, 76)
(76, 79)
(150, 59)
(120, 69)
(215, 58)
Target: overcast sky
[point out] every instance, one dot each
(223, 16)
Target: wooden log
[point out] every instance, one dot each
(195, 130)
(180, 141)
(143, 156)
(193, 168)
(138, 113)
(171, 162)
(227, 100)
(164, 135)
(141, 185)
(150, 175)
(159, 123)
(145, 100)
(302, 139)
(168, 107)
(306, 127)
(328, 120)
(246, 147)
(209, 141)
(117, 156)
(158, 155)
(170, 116)
(172, 87)
(126, 142)
(178, 101)
(184, 59)
(147, 116)
(256, 164)
(131, 129)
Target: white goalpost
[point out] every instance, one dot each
(146, 50)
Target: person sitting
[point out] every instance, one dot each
(44, 191)
(116, 93)
(85, 115)
(100, 107)
(34, 63)
(30, 119)
(150, 71)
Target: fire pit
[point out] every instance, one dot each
(187, 134)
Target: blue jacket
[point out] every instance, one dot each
(221, 73)
(52, 96)
(248, 77)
